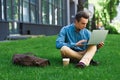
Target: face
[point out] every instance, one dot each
(81, 24)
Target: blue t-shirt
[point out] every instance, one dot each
(68, 36)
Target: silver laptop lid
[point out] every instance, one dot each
(97, 36)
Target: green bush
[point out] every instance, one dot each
(112, 29)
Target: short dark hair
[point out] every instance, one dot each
(81, 14)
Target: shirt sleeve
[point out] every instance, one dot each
(60, 41)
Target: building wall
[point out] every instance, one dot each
(36, 29)
(34, 18)
(4, 31)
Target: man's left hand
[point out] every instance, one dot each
(100, 45)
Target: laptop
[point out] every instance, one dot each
(97, 36)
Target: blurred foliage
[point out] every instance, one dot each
(107, 13)
(111, 8)
(112, 29)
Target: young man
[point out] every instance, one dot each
(72, 38)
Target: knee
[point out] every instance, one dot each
(64, 48)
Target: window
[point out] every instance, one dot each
(21, 10)
(3, 9)
(45, 12)
(60, 12)
(51, 14)
(52, 11)
(16, 10)
(0, 11)
(26, 11)
(33, 11)
(29, 11)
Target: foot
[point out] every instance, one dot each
(94, 63)
(80, 65)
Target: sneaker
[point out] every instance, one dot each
(80, 65)
(94, 63)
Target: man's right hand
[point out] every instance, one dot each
(81, 42)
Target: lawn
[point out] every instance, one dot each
(44, 47)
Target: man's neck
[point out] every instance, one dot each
(77, 30)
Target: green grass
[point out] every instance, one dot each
(44, 47)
